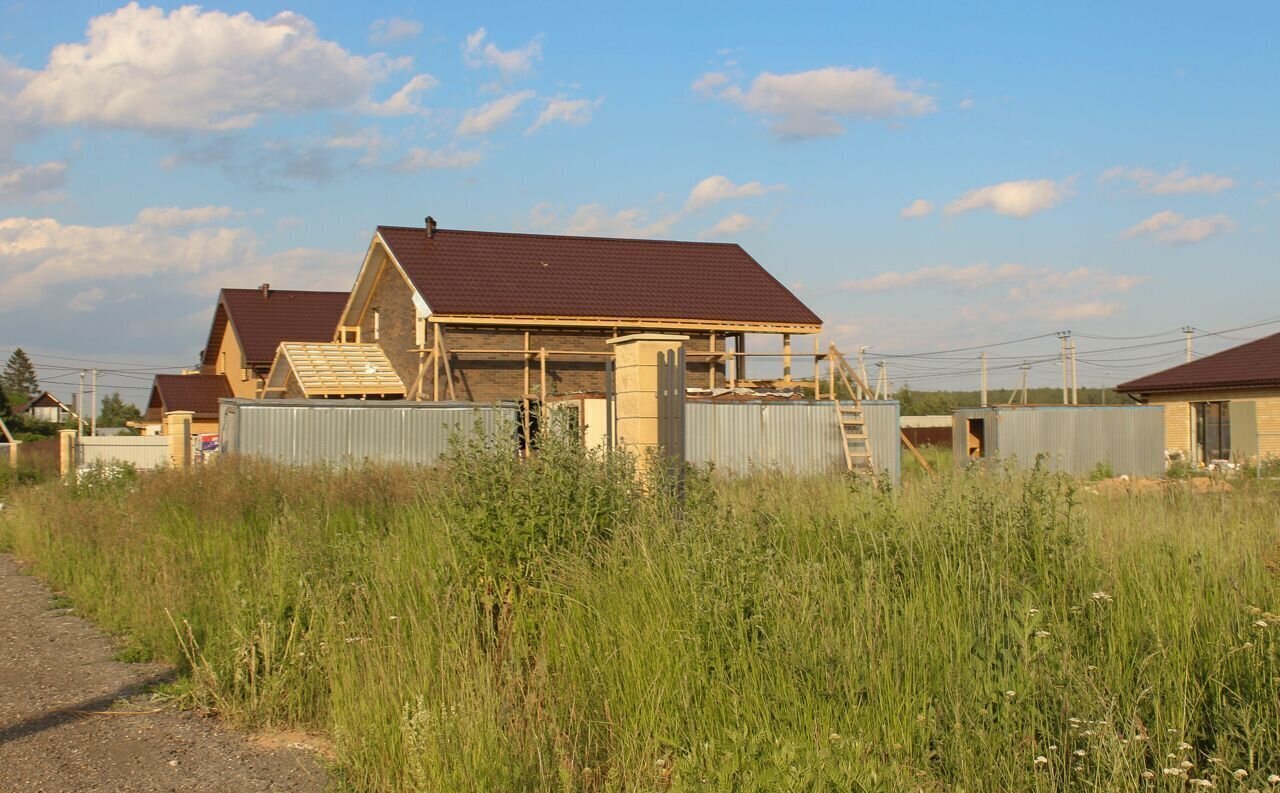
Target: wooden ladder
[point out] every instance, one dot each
(851, 419)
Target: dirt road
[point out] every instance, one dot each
(57, 682)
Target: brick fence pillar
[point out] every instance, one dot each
(636, 387)
(177, 425)
(66, 452)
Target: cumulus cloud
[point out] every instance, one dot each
(1173, 228)
(973, 276)
(478, 52)
(420, 159)
(575, 112)
(176, 217)
(86, 300)
(715, 189)
(141, 68)
(729, 225)
(1094, 309)
(1019, 281)
(917, 209)
(597, 220)
(26, 182)
(39, 254)
(405, 101)
(1016, 199)
(812, 104)
(385, 31)
(487, 117)
(1176, 182)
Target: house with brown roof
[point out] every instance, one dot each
(1224, 406)
(198, 393)
(46, 407)
(483, 316)
(249, 324)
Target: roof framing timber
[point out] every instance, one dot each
(621, 322)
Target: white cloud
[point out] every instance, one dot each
(965, 104)
(1017, 199)
(477, 52)
(595, 220)
(175, 217)
(715, 189)
(1176, 182)
(39, 254)
(32, 181)
(384, 31)
(86, 300)
(1094, 309)
(729, 225)
(405, 101)
(370, 139)
(419, 159)
(917, 209)
(569, 111)
(1173, 228)
(140, 68)
(974, 276)
(811, 104)
(487, 117)
(1019, 281)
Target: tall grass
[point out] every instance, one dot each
(542, 626)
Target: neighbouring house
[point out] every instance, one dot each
(1224, 406)
(249, 324)
(310, 371)
(198, 393)
(484, 316)
(46, 407)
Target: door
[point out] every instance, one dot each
(1213, 431)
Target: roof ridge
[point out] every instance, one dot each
(565, 236)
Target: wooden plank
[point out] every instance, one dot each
(624, 322)
(435, 364)
(448, 370)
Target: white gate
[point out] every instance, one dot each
(140, 451)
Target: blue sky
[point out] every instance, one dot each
(926, 178)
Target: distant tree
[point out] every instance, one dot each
(19, 379)
(116, 412)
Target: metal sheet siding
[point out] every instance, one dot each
(797, 437)
(309, 432)
(1075, 440)
(141, 451)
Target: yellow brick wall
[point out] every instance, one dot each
(1179, 417)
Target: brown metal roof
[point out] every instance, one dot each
(482, 273)
(198, 393)
(1252, 365)
(282, 315)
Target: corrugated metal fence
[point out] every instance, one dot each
(344, 431)
(1074, 439)
(142, 452)
(795, 437)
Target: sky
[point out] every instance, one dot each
(933, 180)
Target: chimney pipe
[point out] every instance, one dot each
(431, 227)
(266, 290)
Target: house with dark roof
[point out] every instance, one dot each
(1224, 406)
(198, 393)
(483, 316)
(249, 324)
(46, 407)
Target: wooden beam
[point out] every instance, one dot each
(786, 357)
(448, 370)
(817, 376)
(435, 364)
(526, 377)
(622, 322)
(542, 387)
(712, 364)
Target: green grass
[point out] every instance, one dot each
(543, 627)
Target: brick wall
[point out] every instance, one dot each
(393, 300)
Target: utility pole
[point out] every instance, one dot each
(80, 408)
(1062, 361)
(1188, 331)
(1026, 367)
(984, 378)
(881, 382)
(93, 425)
(862, 368)
(1075, 395)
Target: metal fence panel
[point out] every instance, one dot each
(346, 431)
(141, 451)
(1073, 439)
(796, 437)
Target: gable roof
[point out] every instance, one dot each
(1252, 365)
(198, 393)
(44, 399)
(481, 273)
(261, 323)
(335, 369)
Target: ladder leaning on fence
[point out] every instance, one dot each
(851, 419)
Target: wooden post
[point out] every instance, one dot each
(740, 373)
(712, 365)
(526, 363)
(817, 376)
(831, 372)
(448, 368)
(435, 363)
(786, 358)
(542, 375)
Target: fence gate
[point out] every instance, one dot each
(671, 394)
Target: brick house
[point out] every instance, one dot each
(483, 316)
(198, 393)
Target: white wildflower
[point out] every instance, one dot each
(1184, 746)
(1186, 764)
(1274, 779)
(1042, 634)
(1200, 782)
(1148, 774)
(1101, 597)
(1080, 753)
(1041, 760)
(1239, 773)
(1174, 772)
(1260, 623)
(1011, 694)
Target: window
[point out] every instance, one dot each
(222, 363)
(377, 324)
(1213, 431)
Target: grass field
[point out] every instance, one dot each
(502, 626)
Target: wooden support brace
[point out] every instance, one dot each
(435, 364)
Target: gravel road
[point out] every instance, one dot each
(57, 682)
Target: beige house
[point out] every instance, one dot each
(1221, 407)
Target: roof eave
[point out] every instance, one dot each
(729, 326)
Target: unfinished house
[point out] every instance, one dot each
(249, 324)
(484, 316)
